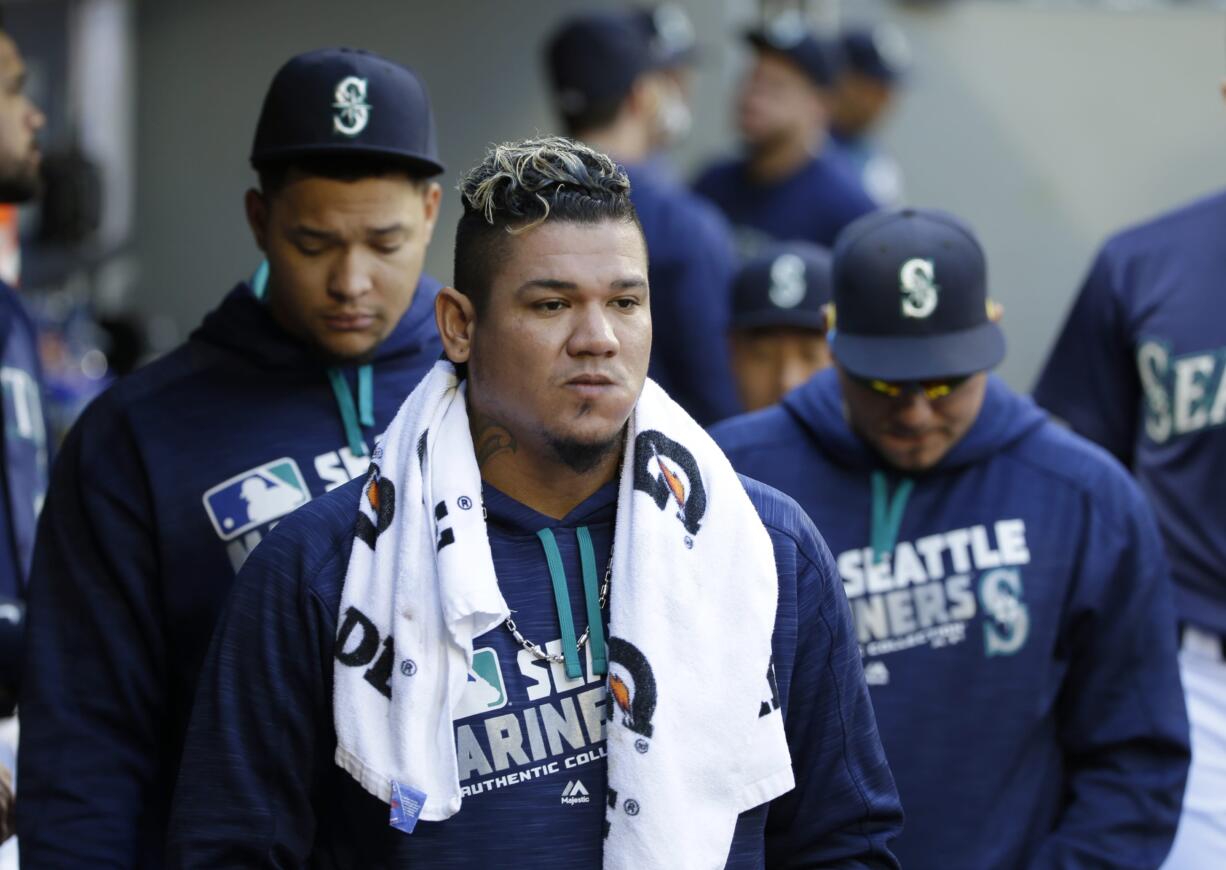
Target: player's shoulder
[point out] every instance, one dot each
(309, 549)
(785, 520)
(719, 174)
(1184, 225)
(1069, 460)
(757, 430)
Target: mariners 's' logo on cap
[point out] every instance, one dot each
(352, 110)
(919, 289)
(664, 469)
(787, 281)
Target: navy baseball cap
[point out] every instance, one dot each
(346, 101)
(910, 296)
(787, 35)
(670, 33)
(784, 285)
(594, 58)
(879, 52)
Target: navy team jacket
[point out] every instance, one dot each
(162, 488)
(1017, 632)
(259, 787)
(1140, 368)
(692, 262)
(23, 476)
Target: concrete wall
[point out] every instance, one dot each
(1045, 127)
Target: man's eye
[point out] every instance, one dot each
(309, 250)
(550, 305)
(626, 303)
(386, 249)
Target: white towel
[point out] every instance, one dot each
(696, 736)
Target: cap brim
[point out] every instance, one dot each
(418, 165)
(920, 358)
(815, 320)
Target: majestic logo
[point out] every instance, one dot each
(376, 507)
(352, 110)
(787, 288)
(665, 470)
(485, 690)
(255, 497)
(919, 289)
(632, 685)
(1008, 619)
(876, 674)
(575, 793)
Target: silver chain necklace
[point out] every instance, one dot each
(536, 649)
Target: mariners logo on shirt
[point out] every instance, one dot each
(667, 471)
(485, 690)
(256, 497)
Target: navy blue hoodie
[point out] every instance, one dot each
(162, 487)
(813, 204)
(23, 474)
(691, 266)
(259, 787)
(1140, 368)
(1017, 633)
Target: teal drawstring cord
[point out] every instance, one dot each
(591, 595)
(557, 575)
(366, 395)
(259, 281)
(887, 513)
(349, 412)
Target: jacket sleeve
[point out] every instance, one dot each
(1120, 714)
(690, 308)
(260, 727)
(1090, 378)
(93, 691)
(845, 808)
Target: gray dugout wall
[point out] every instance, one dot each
(1046, 126)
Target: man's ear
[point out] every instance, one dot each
(432, 195)
(257, 216)
(455, 317)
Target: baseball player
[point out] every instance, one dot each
(875, 62)
(24, 465)
(551, 324)
(789, 186)
(171, 477)
(614, 91)
(1006, 577)
(1139, 368)
(780, 305)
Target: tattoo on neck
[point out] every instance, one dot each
(491, 438)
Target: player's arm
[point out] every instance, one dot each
(261, 726)
(1120, 713)
(690, 311)
(845, 808)
(93, 692)
(1090, 379)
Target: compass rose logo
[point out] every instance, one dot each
(352, 110)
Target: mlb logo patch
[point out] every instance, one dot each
(256, 497)
(485, 690)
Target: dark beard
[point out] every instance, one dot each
(583, 456)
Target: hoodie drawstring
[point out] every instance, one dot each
(353, 417)
(561, 597)
(887, 513)
(259, 281)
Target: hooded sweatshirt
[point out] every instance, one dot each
(162, 488)
(1013, 609)
(23, 475)
(259, 786)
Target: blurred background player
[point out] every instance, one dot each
(789, 185)
(616, 94)
(172, 476)
(874, 62)
(780, 302)
(24, 464)
(670, 34)
(1140, 368)
(1005, 576)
